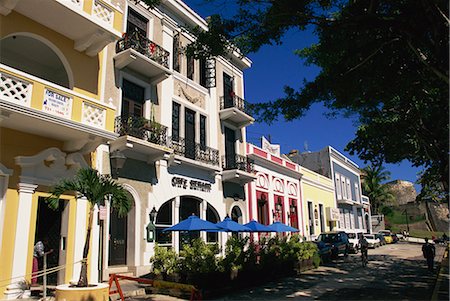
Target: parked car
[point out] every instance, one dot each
(372, 240)
(324, 250)
(400, 236)
(337, 241)
(353, 239)
(381, 238)
(394, 238)
(388, 238)
(384, 232)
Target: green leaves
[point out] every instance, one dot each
(95, 188)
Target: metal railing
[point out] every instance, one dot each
(195, 151)
(238, 162)
(141, 128)
(234, 101)
(145, 46)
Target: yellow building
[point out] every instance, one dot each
(53, 115)
(319, 207)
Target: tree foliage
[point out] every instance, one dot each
(96, 188)
(372, 178)
(386, 62)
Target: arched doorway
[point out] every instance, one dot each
(188, 207)
(31, 55)
(118, 237)
(236, 215)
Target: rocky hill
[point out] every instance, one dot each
(403, 191)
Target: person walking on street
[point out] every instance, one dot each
(429, 251)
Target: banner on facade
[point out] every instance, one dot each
(274, 149)
(332, 214)
(57, 104)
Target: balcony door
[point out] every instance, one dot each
(230, 149)
(136, 22)
(132, 99)
(189, 133)
(228, 91)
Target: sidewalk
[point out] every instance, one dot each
(441, 290)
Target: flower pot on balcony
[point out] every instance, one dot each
(94, 292)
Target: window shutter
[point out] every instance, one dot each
(210, 73)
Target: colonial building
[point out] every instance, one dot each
(53, 115)
(181, 127)
(289, 193)
(354, 210)
(319, 208)
(275, 195)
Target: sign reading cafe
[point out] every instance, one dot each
(192, 184)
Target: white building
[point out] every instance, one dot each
(181, 126)
(354, 208)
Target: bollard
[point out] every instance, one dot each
(45, 277)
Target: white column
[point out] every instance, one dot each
(80, 236)
(4, 178)
(176, 220)
(203, 206)
(21, 246)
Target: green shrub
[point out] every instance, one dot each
(164, 262)
(198, 258)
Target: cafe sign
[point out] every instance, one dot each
(191, 184)
(57, 104)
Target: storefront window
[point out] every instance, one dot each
(213, 217)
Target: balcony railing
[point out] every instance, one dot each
(195, 151)
(234, 101)
(142, 128)
(141, 44)
(238, 162)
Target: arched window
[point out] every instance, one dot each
(164, 220)
(213, 217)
(236, 215)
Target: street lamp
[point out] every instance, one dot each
(278, 209)
(117, 162)
(151, 229)
(152, 215)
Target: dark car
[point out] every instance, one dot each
(381, 238)
(394, 238)
(337, 242)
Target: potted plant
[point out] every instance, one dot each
(96, 188)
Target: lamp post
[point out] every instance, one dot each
(117, 162)
(151, 229)
(406, 216)
(292, 213)
(278, 209)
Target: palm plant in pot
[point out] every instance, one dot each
(96, 188)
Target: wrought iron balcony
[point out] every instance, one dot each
(234, 101)
(141, 128)
(238, 162)
(238, 169)
(195, 151)
(144, 46)
(236, 110)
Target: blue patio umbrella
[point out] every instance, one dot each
(257, 227)
(280, 227)
(193, 223)
(229, 225)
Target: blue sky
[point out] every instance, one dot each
(273, 68)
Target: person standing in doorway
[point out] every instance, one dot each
(429, 251)
(38, 252)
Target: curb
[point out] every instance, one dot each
(443, 271)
